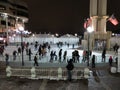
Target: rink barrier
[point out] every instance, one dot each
(46, 73)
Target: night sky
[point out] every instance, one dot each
(64, 16)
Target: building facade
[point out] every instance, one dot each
(13, 14)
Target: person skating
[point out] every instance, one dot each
(93, 61)
(103, 55)
(7, 59)
(110, 60)
(36, 60)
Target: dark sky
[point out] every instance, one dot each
(64, 16)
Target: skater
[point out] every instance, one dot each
(29, 53)
(36, 60)
(93, 61)
(14, 55)
(110, 60)
(7, 59)
(60, 55)
(65, 55)
(103, 55)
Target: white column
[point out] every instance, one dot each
(98, 7)
(93, 8)
(118, 60)
(102, 7)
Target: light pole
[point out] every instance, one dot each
(21, 29)
(89, 30)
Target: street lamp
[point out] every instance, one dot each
(21, 29)
(89, 30)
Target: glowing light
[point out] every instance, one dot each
(89, 29)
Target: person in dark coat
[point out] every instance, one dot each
(70, 67)
(110, 60)
(116, 60)
(19, 50)
(49, 48)
(55, 56)
(29, 53)
(35, 60)
(65, 55)
(14, 54)
(51, 56)
(93, 61)
(60, 55)
(6, 59)
(103, 55)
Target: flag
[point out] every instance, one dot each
(87, 23)
(113, 20)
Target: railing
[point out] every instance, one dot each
(47, 73)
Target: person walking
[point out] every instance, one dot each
(36, 60)
(70, 67)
